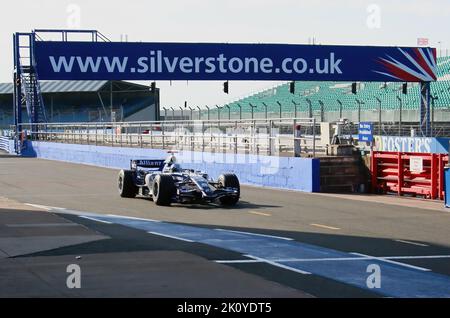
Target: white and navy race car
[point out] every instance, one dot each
(166, 182)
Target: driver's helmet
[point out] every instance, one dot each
(171, 165)
(170, 160)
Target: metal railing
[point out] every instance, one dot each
(405, 129)
(273, 137)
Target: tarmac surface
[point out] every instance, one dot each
(273, 244)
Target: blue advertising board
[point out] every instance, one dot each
(412, 144)
(215, 61)
(365, 132)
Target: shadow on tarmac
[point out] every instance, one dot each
(125, 239)
(210, 206)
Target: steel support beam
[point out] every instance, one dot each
(424, 112)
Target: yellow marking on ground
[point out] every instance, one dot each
(325, 226)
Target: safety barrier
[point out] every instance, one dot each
(7, 144)
(4, 143)
(292, 173)
(409, 173)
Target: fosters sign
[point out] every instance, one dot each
(411, 144)
(403, 144)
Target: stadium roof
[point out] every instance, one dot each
(66, 86)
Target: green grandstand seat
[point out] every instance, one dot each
(330, 92)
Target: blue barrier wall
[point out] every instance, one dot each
(301, 174)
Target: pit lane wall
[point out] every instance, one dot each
(301, 174)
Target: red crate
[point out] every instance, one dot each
(391, 173)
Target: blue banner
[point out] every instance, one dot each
(412, 144)
(212, 61)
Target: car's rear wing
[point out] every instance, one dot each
(147, 163)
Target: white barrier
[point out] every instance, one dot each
(6, 144)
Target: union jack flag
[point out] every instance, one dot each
(422, 42)
(418, 65)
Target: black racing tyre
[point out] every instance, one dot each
(163, 189)
(125, 184)
(229, 180)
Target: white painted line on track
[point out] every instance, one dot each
(335, 259)
(329, 259)
(45, 207)
(361, 258)
(239, 261)
(325, 226)
(418, 257)
(171, 236)
(412, 243)
(270, 262)
(260, 213)
(94, 219)
(256, 234)
(132, 218)
(392, 262)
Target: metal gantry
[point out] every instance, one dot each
(27, 90)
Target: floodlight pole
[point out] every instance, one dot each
(207, 107)
(295, 108)
(252, 107)
(433, 98)
(240, 110)
(281, 109)
(322, 117)
(310, 108)
(379, 115)
(229, 111)
(218, 113)
(359, 110)
(182, 113)
(400, 115)
(340, 108)
(265, 109)
(425, 109)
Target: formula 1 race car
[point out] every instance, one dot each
(165, 182)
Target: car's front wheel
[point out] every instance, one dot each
(163, 189)
(125, 184)
(229, 180)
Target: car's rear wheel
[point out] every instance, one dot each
(229, 180)
(125, 184)
(163, 189)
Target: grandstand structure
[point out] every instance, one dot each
(87, 101)
(331, 101)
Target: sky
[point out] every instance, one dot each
(347, 22)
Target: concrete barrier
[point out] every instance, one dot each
(302, 174)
